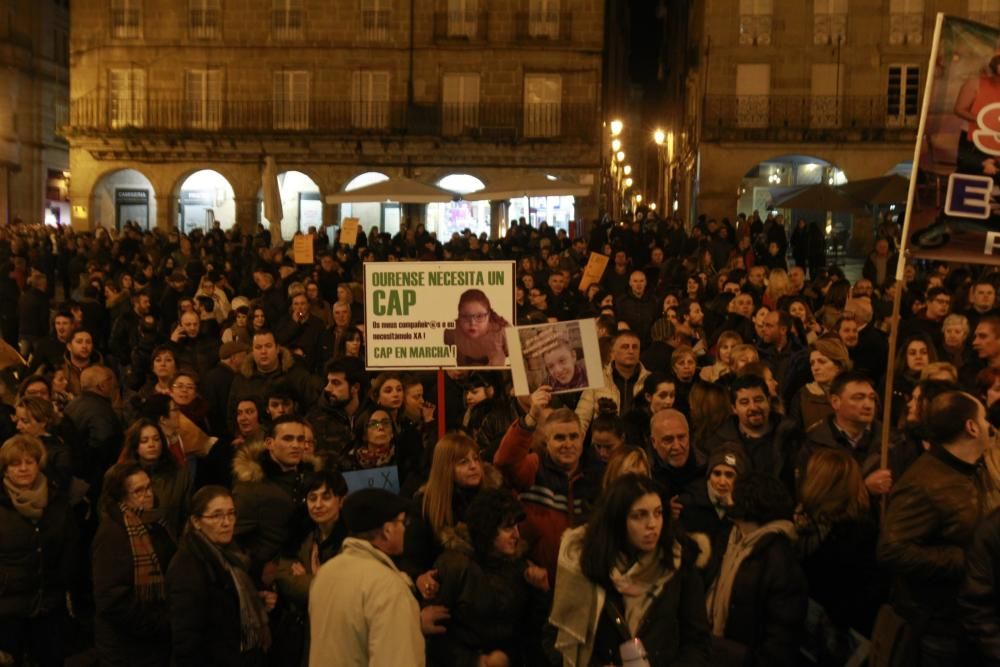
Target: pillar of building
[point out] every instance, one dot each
(498, 210)
(246, 214)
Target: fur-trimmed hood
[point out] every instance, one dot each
(249, 463)
(285, 361)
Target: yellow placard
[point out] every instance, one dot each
(302, 248)
(594, 270)
(349, 231)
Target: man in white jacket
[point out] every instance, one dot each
(362, 610)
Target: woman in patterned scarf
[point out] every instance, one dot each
(132, 550)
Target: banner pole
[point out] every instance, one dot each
(901, 261)
(441, 425)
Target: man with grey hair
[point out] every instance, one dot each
(675, 464)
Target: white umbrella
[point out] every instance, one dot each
(272, 198)
(528, 185)
(397, 190)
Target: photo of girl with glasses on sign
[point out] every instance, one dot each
(478, 333)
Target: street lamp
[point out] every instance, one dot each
(616, 127)
(652, 207)
(638, 199)
(659, 136)
(628, 182)
(616, 145)
(628, 169)
(620, 155)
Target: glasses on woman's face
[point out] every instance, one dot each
(380, 423)
(140, 491)
(476, 318)
(219, 517)
(184, 386)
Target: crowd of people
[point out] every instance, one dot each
(181, 415)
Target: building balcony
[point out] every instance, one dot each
(543, 27)
(808, 118)
(461, 27)
(511, 123)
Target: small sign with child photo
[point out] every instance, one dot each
(563, 355)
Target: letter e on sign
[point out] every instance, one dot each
(968, 196)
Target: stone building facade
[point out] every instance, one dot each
(334, 90)
(772, 90)
(34, 87)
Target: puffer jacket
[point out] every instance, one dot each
(252, 384)
(933, 512)
(270, 504)
(552, 500)
(37, 558)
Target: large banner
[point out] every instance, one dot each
(955, 211)
(438, 315)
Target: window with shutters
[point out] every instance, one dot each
(287, 19)
(204, 18)
(829, 21)
(902, 96)
(463, 18)
(370, 99)
(126, 19)
(127, 97)
(756, 21)
(985, 11)
(291, 100)
(542, 105)
(906, 22)
(543, 19)
(203, 98)
(376, 16)
(753, 90)
(459, 103)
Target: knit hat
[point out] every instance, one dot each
(368, 509)
(834, 350)
(232, 347)
(730, 454)
(239, 302)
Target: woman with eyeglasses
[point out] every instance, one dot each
(478, 334)
(131, 553)
(38, 536)
(377, 448)
(184, 391)
(217, 617)
(145, 445)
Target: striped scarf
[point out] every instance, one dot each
(149, 583)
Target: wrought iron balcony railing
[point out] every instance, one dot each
(156, 114)
(792, 116)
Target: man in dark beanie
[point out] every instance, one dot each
(362, 588)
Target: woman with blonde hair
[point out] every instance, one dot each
(939, 370)
(436, 517)
(626, 460)
(837, 539)
(778, 285)
(724, 348)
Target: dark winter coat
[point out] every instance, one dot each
(33, 314)
(334, 430)
(768, 604)
(37, 558)
(204, 612)
(252, 384)
(128, 631)
(488, 599)
(640, 313)
(932, 514)
(269, 504)
(980, 598)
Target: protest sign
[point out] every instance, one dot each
(564, 355)
(594, 270)
(302, 248)
(385, 478)
(349, 231)
(438, 315)
(958, 149)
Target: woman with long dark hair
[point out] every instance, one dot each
(132, 550)
(627, 570)
(146, 446)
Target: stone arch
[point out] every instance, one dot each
(301, 203)
(121, 194)
(454, 216)
(203, 197)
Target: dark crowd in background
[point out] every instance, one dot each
(181, 413)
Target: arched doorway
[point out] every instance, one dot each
(772, 178)
(122, 196)
(385, 217)
(301, 203)
(455, 216)
(204, 198)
